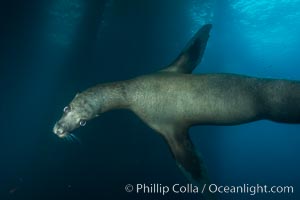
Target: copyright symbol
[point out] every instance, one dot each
(129, 188)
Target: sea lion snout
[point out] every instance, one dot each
(59, 130)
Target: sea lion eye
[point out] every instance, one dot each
(82, 122)
(67, 109)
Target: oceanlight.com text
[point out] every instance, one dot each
(157, 188)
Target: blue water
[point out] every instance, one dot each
(50, 51)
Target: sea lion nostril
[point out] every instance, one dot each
(59, 132)
(58, 129)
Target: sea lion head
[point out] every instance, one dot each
(76, 114)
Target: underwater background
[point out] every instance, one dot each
(50, 50)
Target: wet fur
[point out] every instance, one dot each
(173, 100)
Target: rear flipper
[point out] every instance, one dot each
(189, 161)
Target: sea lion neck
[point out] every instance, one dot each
(110, 96)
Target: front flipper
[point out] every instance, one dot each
(192, 54)
(189, 161)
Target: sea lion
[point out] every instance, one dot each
(172, 100)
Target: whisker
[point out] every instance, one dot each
(75, 138)
(71, 140)
(67, 139)
(64, 139)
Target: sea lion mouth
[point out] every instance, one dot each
(62, 135)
